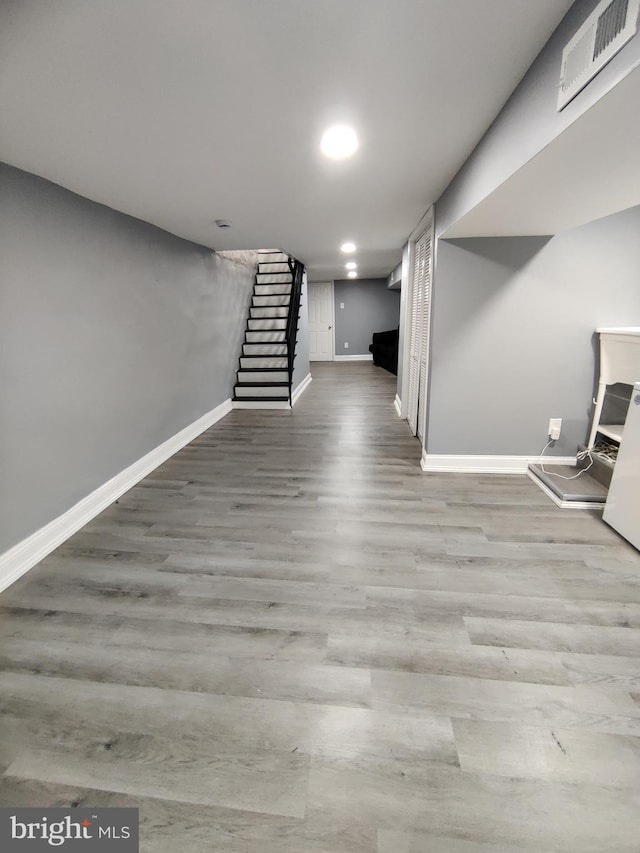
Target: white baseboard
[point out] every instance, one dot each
(367, 357)
(302, 387)
(398, 405)
(487, 464)
(18, 560)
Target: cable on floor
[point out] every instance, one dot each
(581, 455)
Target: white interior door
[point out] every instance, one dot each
(321, 321)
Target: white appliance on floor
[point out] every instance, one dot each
(622, 510)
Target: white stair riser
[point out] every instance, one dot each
(261, 312)
(260, 391)
(267, 361)
(273, 278)
(257, 336)
(279, 300)
(256, 377)
(272, 257)
(273, 268)
(261, 404)
(264, 349)
(272, 290)
(256, 323)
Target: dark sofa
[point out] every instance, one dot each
(385, 350)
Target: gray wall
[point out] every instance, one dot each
(529, 120)
(301, 367)
(513, 334)
(114, 335)
(369, 306)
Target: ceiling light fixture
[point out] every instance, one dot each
(352, 274)
(347, 248)
(339, 142)
(351, 265)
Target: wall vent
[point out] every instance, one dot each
(610, 26)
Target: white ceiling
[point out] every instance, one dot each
(589, 171)
(181, 112)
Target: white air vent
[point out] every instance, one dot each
(610, 26)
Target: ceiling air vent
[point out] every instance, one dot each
(610, 26)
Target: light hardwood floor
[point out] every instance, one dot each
(289, 639)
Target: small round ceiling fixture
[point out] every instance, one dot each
(223, 223)
(351, 265)
(352, 274)
(348, 248)
(339, 142)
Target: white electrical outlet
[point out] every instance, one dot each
(555, 428)
(346, 345)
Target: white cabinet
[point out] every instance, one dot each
(619, 363)
(622, 510)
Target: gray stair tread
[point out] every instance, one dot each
(263, 384)
(585, 488)
(261, 398)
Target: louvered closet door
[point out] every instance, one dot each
(425, 322)
(419, 332)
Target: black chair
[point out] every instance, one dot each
(385, 350)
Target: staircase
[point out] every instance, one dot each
(266, 365)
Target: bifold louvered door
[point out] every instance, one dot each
(419, 331)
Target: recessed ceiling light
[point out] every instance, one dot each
(347, 248)
(352, 274)
(351, 265)
(223, 223)
(338, 142)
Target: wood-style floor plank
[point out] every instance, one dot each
(555, 636)
(535, 752)
(435, 801)
(288, 639)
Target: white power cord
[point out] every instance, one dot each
(581, 455)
